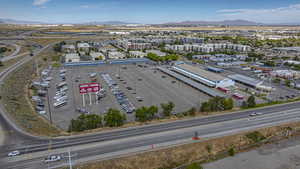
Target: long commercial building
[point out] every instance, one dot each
(209, 91)
(203, 76)
(255, 83)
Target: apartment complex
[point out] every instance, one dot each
(208, 47)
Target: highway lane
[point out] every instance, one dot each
(143, 130)
(111, 149)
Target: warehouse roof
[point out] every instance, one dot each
(294, 49)
(192, 83)
(201, 72)
(246, 80)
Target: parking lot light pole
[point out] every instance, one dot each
(49, 109)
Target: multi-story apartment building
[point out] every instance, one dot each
(208, 47)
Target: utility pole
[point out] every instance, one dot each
(37, 67)
(49, 108)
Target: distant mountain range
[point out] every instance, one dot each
(13, 21)
(238, 22)
(108, 23)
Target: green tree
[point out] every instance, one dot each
(85, 122)
(251, 101)
(114, 118)
(205, 107)
(145, 114)
(228, 104)
(167, 108)
(217, 104)
(288, 83)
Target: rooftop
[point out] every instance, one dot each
(196, 85)
(294, 49)
(201, 72)
(245, 79)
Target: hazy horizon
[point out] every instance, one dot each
(149, 12)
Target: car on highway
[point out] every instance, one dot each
(13, 153)
(52, 158)
(255, 114)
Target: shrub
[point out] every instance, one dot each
(231, 151)
(194, 166)
(255, 136)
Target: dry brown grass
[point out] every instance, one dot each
(184, 154)
(14, 94)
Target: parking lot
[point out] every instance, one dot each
(135, 86)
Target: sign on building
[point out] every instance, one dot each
(89, 88)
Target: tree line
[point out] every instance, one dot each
(169, 57)
(112, 118)
(217, 104)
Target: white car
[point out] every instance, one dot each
(14, 153)
(52, 158)
(58, 104)
(63, 98)
(59, 96)
(42, 112)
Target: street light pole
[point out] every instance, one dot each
(70, 160)
(49, 109)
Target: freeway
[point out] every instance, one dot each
(129, 145)
(143, 130)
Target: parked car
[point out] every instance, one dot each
(39, 108)
(42, 112)
(63, 98)
(59, 104)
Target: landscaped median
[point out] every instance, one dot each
(199, 152)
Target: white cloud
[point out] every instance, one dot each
(40, 2)
(273, 15)
(85, 6)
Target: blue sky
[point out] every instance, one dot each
(151, 11)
